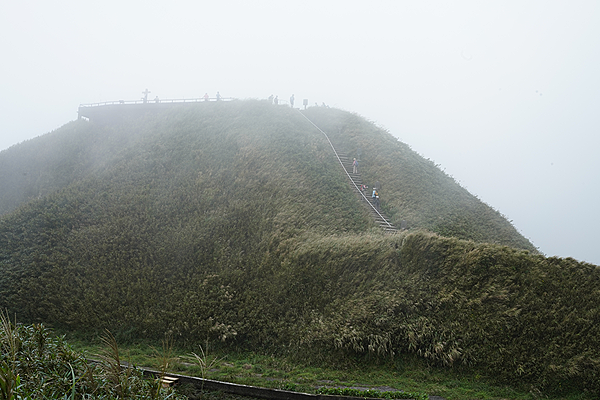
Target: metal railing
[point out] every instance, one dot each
(159, 101)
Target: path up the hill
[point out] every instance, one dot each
(365, 197)
(356, 182)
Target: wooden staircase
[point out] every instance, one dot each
(365, 197)
(356, 182)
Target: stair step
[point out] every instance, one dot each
(356, 179)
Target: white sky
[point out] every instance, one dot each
(504, 95)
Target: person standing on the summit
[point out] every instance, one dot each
(276, 100)
(292, 101)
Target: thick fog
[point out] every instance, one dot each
(504, 95)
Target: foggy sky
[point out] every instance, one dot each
(504, 95)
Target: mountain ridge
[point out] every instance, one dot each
(399, 196)
(235, 222)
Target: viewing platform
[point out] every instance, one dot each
(109, 109)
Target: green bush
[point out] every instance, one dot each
(34, 364)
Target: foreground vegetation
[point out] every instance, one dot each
(37, 365)
(233, 222)
(406, 372)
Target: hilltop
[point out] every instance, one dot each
(219, 137)
(234, 221)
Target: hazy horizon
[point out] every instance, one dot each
(502, 96)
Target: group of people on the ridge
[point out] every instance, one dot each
(207, 97)
(275, 100)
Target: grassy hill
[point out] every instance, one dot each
(415, 189)
(234, 221)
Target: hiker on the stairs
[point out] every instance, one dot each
(375, 198)
(356, 182)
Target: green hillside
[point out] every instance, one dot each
(415, 189)
(234, 221)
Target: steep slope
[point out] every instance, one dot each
(412, 188)
(233, 221)
(141, 203)
(40, 166)
(195, 190)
